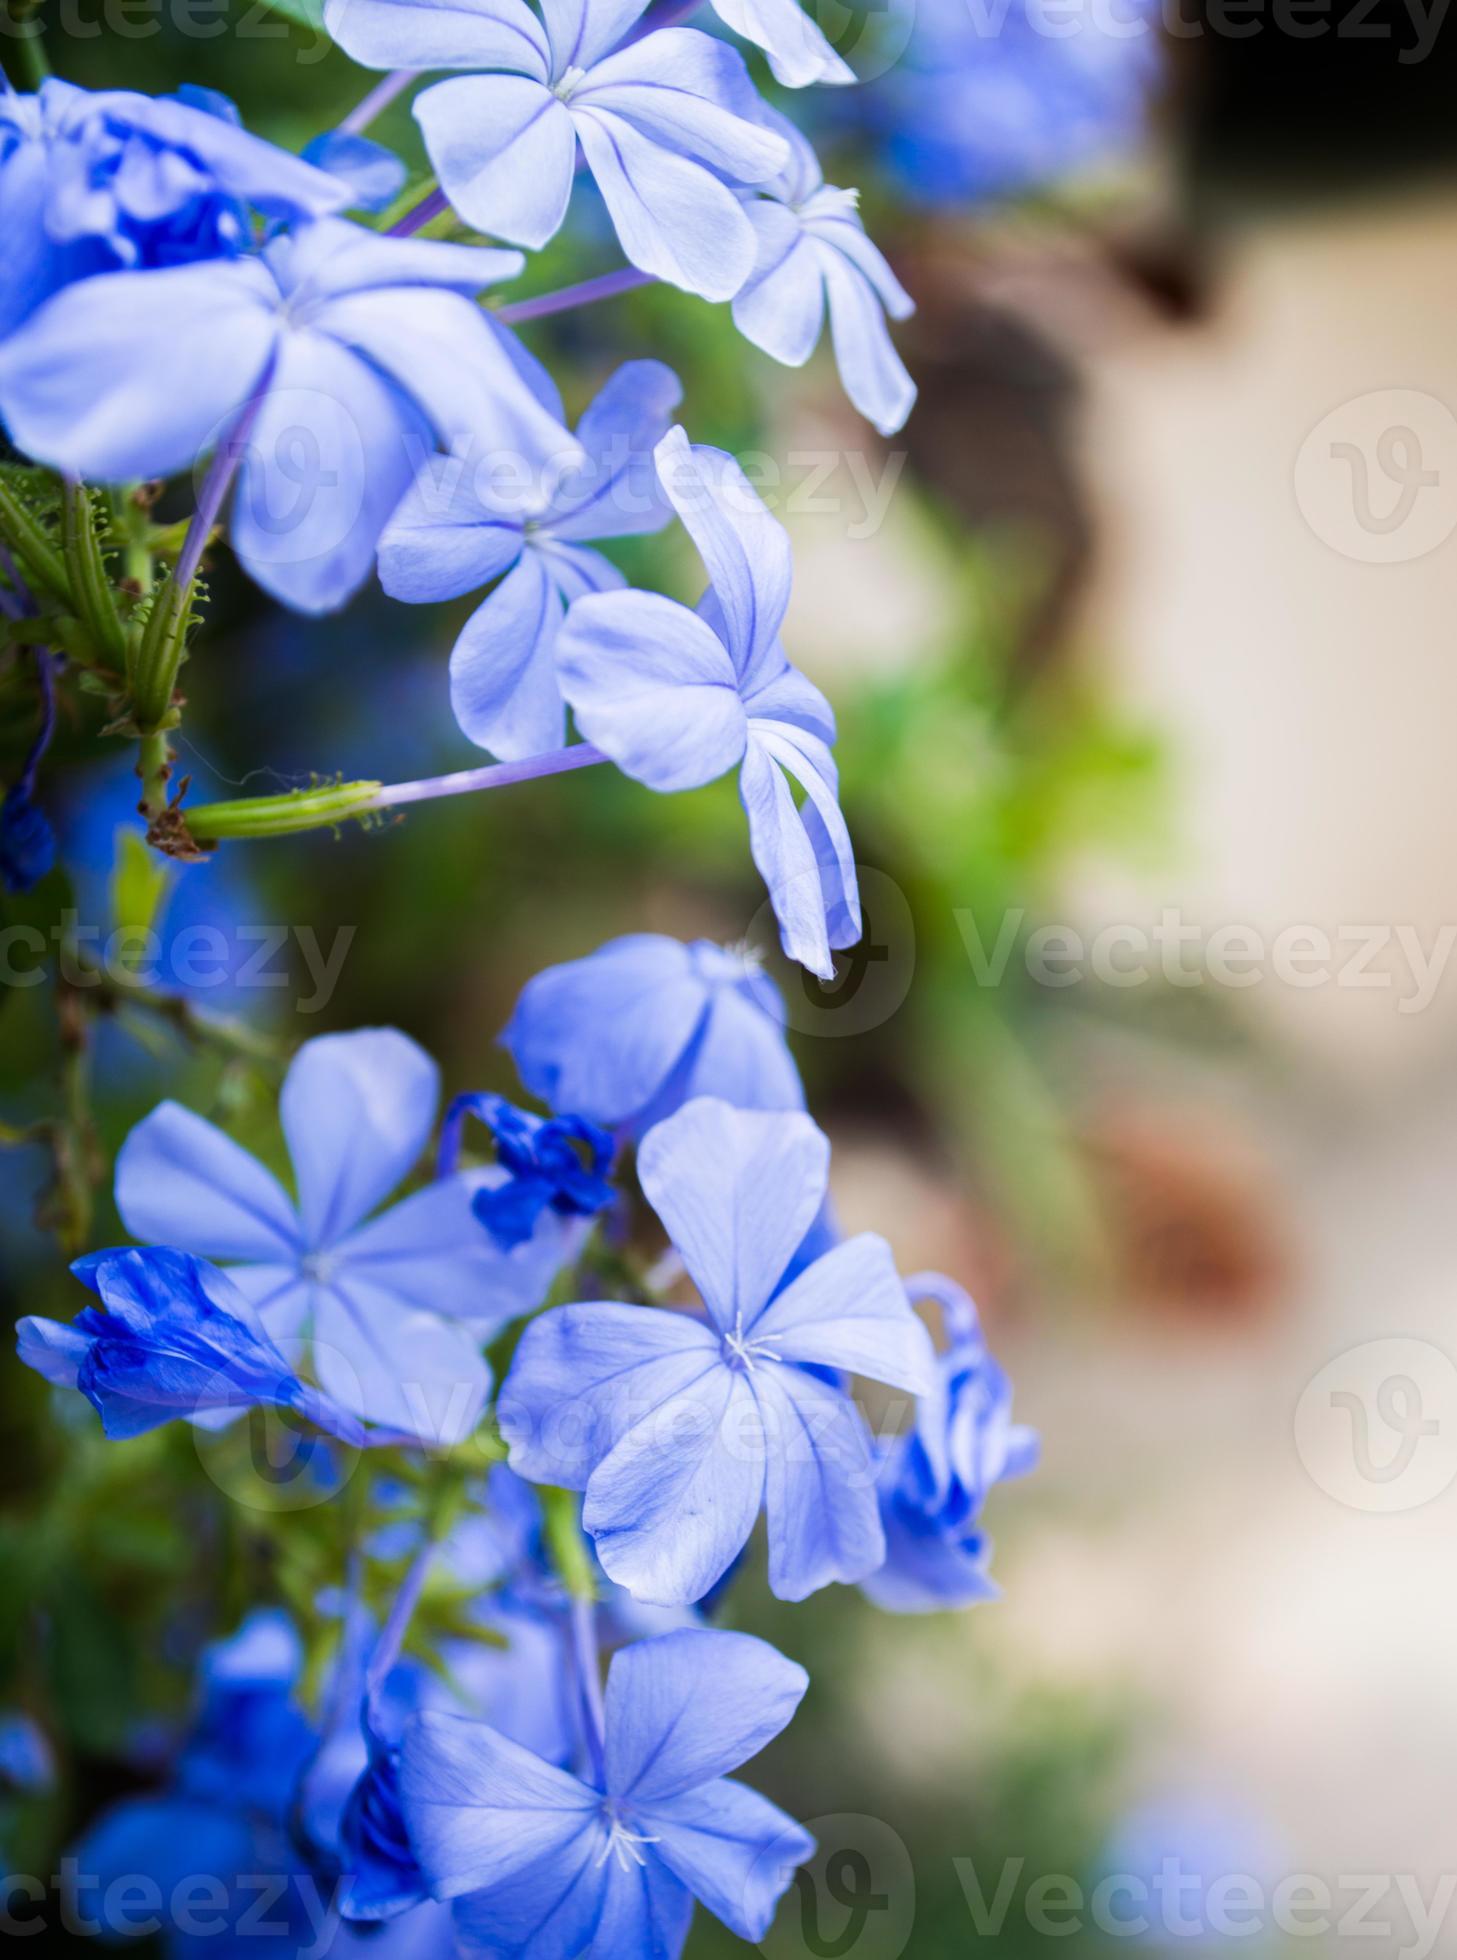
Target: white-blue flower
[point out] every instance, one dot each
(396, 1303)
(813, 254)
(680, 1429)
(460, 526)
(666, 124)
(677, 698)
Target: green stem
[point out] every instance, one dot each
(282, 816)
(563, 1520)
(31, 542)
(158, 657)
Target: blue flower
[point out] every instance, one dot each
(27, 842)
(935, 1479)
(177, 1339)
(95, 182)
(396, 1305)
(797, 49)
(645, 1024)
(26, 1762)
(662, 123)
(545, 1864)
(457, 529)
(348, 350)
(681, 1429)
(544, 1165)
(676, 698)
(813, 253)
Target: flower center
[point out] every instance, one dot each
(742, 1350)
(568, 83)
(318, 1267)
(622, 1844)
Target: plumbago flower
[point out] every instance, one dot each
(457, 529)
(814, 253)
(177, 1339)
(396, 1305)
(545, 1863)
(551, 1164)
(935, 1479)
(676, 698)
(329, 364)
(666, 124)
(94, 182)
(681, 1429)
(645, 1024)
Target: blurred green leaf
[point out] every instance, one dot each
(139, 880)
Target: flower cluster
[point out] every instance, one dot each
(506, 1797)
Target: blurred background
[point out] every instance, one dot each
(1139, 641)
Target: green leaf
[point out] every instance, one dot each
(139, 882)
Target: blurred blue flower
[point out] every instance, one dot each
(396, 1305)
(935, 1479)
(662, 123)
(345, 353)
(813, 254)
(177, 1339)
(680, 1429)
(27, 842)
(26, 1762)
(541, 1861)
(636, 1029)
(677, 698)
(91, 182)
(458, 528)
(544, 1161)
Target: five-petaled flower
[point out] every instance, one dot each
(676, 698)
(396, 1306)
(458, 528)
(551, 1865)
(680, 1429)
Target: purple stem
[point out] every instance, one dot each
(46, 664)
(392, 1637)
(608, 286)
(220, 471)
(430, 206)
(495, 775)
(377, 101)
(589, 1683)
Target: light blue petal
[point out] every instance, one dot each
(256, 172)
(600, 1036)
(431, 1254)
(672, 1505)
(690, 93)
(733, 1849)
(666, 1735)
(653, 687)
(849, 1310)
(503, 683)
(357, 1111)
(374, 175)
(789, 697)
(52, 1348)
(798, 52)
(332, 258)
(440, 542)
(830, 216)
(575, 570)
(504, 150)
(582, 31)
(550, 1910)
(180, 1181)
(781, 306)
(745, 549)
(89, 385)
(741, 1056)
(331, 452)
(737, 1189)
(673, 218)
(619, 495)
(807, 759)
(412, 1372)
(805, 858)
(440, 34)
(824, 1518)
(583, 1374)
(874, 374)
(481, 1809)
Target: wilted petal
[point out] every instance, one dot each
(181, 1181)
(653, 687)
(737, 1190)
(504, 149)
(666, 1735)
